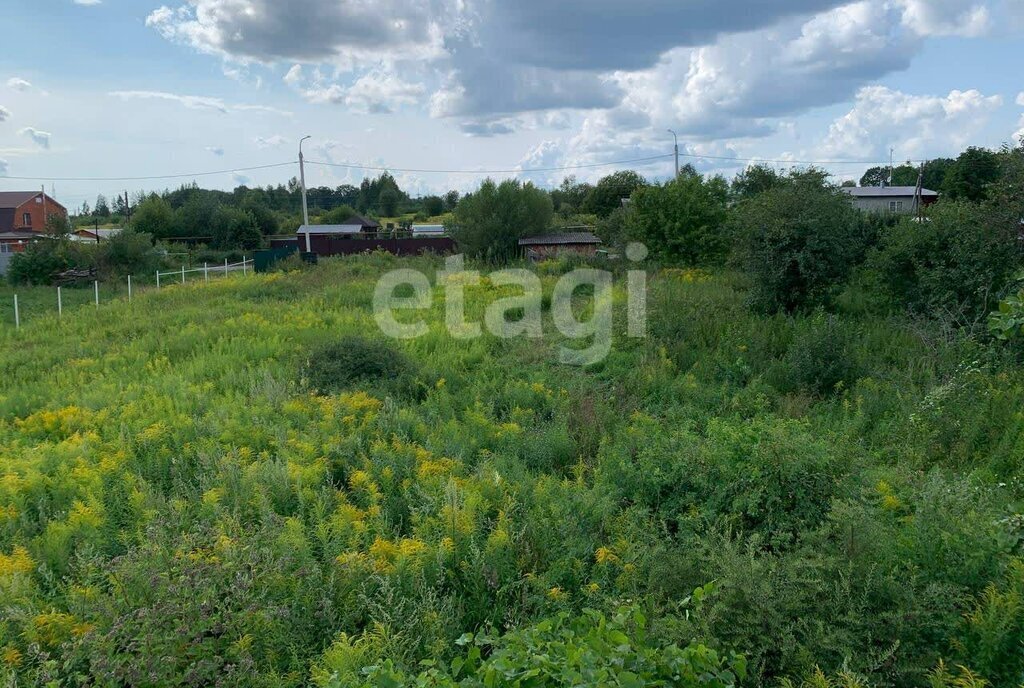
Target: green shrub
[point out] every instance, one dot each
(799, 241)
(38, 264)
(340, 364)
(585, 650)
(993, 638)
(955, 265)
(820, 360)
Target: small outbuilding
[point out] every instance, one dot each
(890, 199)
(547, 245)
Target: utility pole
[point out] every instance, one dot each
(302, 181)
(43, 188)
(891, 151)
(676, 139)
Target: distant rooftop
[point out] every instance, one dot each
(13, 199)
(330, 229)
(881, 191)
(563, 238)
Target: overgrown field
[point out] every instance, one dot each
(195, 492)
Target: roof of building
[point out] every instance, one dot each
(428, 229)
(330, 229)
(20, 236)
(91, 232)
(13, 199)
(563, 238)
(882, 191)
(365, 222)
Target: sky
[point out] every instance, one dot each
(103, 96)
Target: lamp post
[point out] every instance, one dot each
(302, 181)
(676, 139)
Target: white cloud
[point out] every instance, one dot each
(377, 92)
(40, 138)
(5, 114)
(196, 102)
(240, 179)
(305, 30)
(917, 126)
(294, 75)
(269, 141)
(1018, 136)
(18, 84)
(740, 85)
(946, 17)
(88, 3)
(215, 150)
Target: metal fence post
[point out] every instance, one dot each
(129, 288)
(183, 274)
(60, 304)
(244, 273)
(206, 272)
(96, 287)
(17, 314)
(225, 266)
(157, 279)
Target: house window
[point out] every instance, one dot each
(26, 219)
(895, 206)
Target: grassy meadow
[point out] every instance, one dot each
(737, 499)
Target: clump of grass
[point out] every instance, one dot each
(352, 361)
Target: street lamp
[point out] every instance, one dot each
(302, 181)
(676, 139)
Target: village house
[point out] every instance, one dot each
(890, 199)
(23, 217)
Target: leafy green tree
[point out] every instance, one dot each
(754, 180)
(607, 195)
(265, 218)
(154, 216)
(433, 205)
(128, 253)
(570, 195)
(235, 228)
(101, 208)
(902, 175)
(489, 222)
(336, 216)
(388, 202)
(969, 177)
(57, 225)
(799, 242)
(451, 199)
(682, 220)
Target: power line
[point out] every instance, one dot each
(150, 177)
(519, 170)
(416, 170)
(379, 168)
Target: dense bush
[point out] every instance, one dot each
(820, 359)
(567, 651)
(39, 263)
(337, 365)
(799, 241)
(682, 221)
(956, 265)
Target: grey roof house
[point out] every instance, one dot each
(889, 199)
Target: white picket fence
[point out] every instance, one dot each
(245, 266)
(180, 277)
